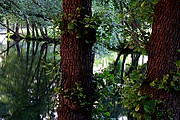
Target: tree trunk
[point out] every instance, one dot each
(77, 62)
(163, 53)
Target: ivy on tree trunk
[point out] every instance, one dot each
(163, 53)
(77, 62)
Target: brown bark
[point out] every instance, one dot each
(163, 52)
(77, 62)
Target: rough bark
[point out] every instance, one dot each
(77, 62)
(163, 52)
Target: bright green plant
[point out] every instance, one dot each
(167, 85)
(141, 106)
(134, 101)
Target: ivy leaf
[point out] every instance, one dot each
(86, 26)
(178, 62)
(152, 84)
(161, 86)
(155, 1)
(70, 26)
(137, 108)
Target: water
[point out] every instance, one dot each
(2, 36)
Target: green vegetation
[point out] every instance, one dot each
(31, 69)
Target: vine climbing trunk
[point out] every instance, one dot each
(163, 53)
(77, 62)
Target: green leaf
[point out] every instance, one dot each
(107, 113)
(144, 52)
(147, 108)
(152, 84)
(178, 62)
(121, 15)
(137, 108)
(87, 25)
(136, 115)
(155, 1)
(142, 4)
(70, 26)
(133, 3)
(161, 86)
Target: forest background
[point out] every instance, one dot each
(122, 84)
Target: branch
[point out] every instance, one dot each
(9, 48)
(7, 27)
(34, 1)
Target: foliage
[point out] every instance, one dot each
(167, 85)
(108, 102)
(122, 26)
(123, 23)
(141, 106)
(76, 93)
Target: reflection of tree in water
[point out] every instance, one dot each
(29, 66)
(32, 82)
(2, 36)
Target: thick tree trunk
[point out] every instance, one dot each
(163, 52)
(77, 63)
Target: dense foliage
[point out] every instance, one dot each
(121, 28)
(30, 68)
